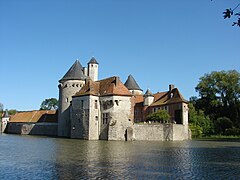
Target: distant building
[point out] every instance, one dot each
(37, 122)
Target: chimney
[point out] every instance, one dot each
(116, 80)
(171, 87)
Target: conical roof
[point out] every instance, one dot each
(74, 73)
(131, 84)
(148, 93)
(93, 61)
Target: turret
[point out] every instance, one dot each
(132, 86)
(69, 85)
(93, 69)
(148, 98)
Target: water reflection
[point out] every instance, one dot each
(31, 157)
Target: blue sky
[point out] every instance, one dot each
(158, 42)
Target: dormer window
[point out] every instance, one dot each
(171, 95)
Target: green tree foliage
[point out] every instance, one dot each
(12, 111)
(1, 110)
(49, 104)
(160, 116)
(200, 124)
(222, 124)
(220, 95)
(219, 98)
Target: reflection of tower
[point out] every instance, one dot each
(71, 83)
(93, 69)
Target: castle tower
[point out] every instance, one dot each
(70, 84)
(93, 69)
(148, 98)
(132, 86)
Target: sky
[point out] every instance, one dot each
(158, 42)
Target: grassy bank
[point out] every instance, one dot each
(219, 138)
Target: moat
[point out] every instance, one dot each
(34, 157)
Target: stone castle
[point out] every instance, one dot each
(107, 109)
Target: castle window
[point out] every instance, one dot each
(96, 118)
(166, 108)
(105, 118)
(96, 104)
(81, 105)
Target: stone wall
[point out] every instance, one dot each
(120, 118)
(180, 132)
(80, 117)
(44, 129)
(148, 132)
(160, 132)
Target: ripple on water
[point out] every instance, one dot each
(31, 157)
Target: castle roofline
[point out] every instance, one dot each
(74, 73)
(93, 61)
(106, 87)
(131, 83)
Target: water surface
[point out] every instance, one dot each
(34, 157)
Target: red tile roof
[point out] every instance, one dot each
(35, 116)
(169, 97)
(105, 87)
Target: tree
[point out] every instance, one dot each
(12, 111)
(1, 110)
(49, 104)
(220, 95)
(228, 13)
(200, 124)
(222, 124)
(160, 116)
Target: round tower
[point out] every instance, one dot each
(148, 98)
(133, 86)
(69, 85)
(93, 69)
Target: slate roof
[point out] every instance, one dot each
(148, 93)
(131, 83)
(93, 61)
(105, 87)
(74, 73)
(35, 116)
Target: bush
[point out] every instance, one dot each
(222, 124)
(160, 116)
(196, 130)
(232, 131)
